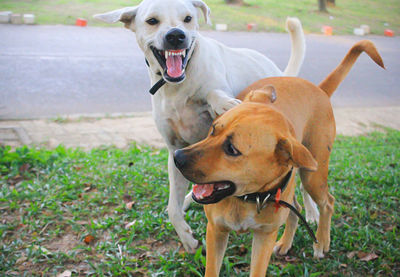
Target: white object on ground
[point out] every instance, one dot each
(359, 31)
(221, 27)
(5, 17)
(16, 18)
(366, 29)
(29, 18)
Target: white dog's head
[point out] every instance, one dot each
(165, 30)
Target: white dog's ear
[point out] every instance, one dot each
(204, 8)
(125, 15)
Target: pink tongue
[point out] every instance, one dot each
(201, 191)
(174, 66)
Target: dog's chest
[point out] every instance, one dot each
(240, 221)
(183, 122)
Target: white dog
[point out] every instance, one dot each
(197, 78)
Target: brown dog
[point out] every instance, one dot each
(251, 155)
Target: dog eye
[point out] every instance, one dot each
(152, 21)
(187, 19)
(230, 150)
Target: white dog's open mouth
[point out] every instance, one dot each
(173, 62)
(213, 192)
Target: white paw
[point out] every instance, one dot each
(225, 104)
(189, 243)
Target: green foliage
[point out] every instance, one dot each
(51, 200)
(269, 15)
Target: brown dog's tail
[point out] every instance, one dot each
(333, 80)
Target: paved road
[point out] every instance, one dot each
(47, 71)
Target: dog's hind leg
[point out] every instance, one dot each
(177, 190)
(285, 242)
(315, 183)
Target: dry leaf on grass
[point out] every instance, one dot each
(66, 273)
(89, 239)
(130, 224)
(129, 205)
(366, 256)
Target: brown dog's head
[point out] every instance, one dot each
(246, 150)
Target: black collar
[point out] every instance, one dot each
(262, 198)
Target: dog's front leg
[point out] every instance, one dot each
(178, 186)
(216, 241)
(263, 245)
(220, 102)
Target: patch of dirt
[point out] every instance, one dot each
(63, 244)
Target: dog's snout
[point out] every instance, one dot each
(175, 38)
(180, 159)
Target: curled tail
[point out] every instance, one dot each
(333, 80)
(293, 25)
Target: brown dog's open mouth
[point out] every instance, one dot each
(213, 192)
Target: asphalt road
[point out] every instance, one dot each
(47, 71)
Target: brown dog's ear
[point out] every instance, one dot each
(264, 95)
(289, 150)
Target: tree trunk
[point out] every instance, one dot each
(322, 6)
(234, 2)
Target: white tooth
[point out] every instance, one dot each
(166, 54)
(201, 197)
(184, 53)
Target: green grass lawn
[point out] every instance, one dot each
(269, 15)
(103, 213)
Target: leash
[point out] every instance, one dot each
(262, 198)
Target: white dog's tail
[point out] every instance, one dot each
(293, 25)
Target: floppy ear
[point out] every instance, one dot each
(204, 8)
(263, 95)
(289, 150)
(125, 15)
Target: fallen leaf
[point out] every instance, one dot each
(82, 222)
(389, 228)
(23, 168)
(44, 250)
(130, 224)
(78, 168)
(89, 239)
(367, 256)
(21, 260)
(66, 273)
(343, 265)
(15, 180)
(129, 205)
(351, 254)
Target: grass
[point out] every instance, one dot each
(103, 213)
(269, 15)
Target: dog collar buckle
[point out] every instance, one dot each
(262, 205)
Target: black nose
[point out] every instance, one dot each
(180, 159)
(175, 39)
